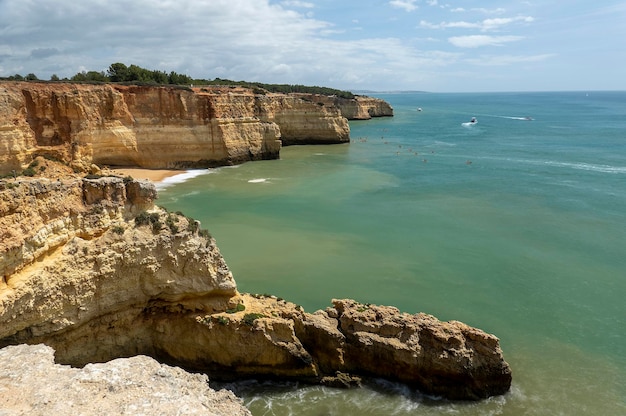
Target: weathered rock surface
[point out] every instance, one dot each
(156, 127)
(357, 108)
(273, 338)
(92, 268)
(303, 121)
(31, 384)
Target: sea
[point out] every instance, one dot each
(515, 224)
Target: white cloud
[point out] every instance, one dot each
(408, 5)
(499, 10)
(192, 36)
(297, 3)
(475, 41)
(305, 41)
(486, 25)
(502, 60)
(496, 23)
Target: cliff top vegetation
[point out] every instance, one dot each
(133, 74)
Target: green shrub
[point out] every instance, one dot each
(29, 171)
(192, 225)
(239, 308)
(249, 318)
(118, 229)
(156, 226)
(144, 218)
(223, 320)
(171, 222)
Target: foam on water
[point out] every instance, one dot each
(589, 167)
(180, 178)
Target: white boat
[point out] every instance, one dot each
(470, 123)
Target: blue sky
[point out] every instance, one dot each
(384, 45)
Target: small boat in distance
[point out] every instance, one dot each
(470, 123)
(419, 108)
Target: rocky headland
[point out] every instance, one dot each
(164, 127)
(91, 267)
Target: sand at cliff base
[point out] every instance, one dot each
(155, 175)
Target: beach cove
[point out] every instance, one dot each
(514, 226)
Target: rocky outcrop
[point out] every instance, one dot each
(303, 121)
(357, 108)
(155, 127)
(92, 268)
(31, 384)
(338, 346)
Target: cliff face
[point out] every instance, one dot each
(303, 121)
(358, 108)
(155, 127)
(92, 268)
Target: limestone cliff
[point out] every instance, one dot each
(357, 108)
(303, 121)
(155, 127)
(91, 267)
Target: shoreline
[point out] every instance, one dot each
(161, 178)
(155, 175)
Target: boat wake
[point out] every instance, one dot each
(569, 165)
(590, 167)
(526, 118)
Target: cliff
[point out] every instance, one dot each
(92, 268)
(155, 126)
(357, 108)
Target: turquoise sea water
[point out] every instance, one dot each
(517, 227)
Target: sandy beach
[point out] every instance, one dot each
(155, 175)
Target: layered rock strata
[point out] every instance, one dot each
(155, 127)
(94, 269)
(357, 108)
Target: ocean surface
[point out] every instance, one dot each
(514, 226)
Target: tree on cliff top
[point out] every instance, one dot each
(119, 72)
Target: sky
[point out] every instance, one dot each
(357, 45)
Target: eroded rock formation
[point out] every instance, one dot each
(94, 269)
(156, 127)
(357, 108)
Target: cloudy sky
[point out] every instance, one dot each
(383, 45)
